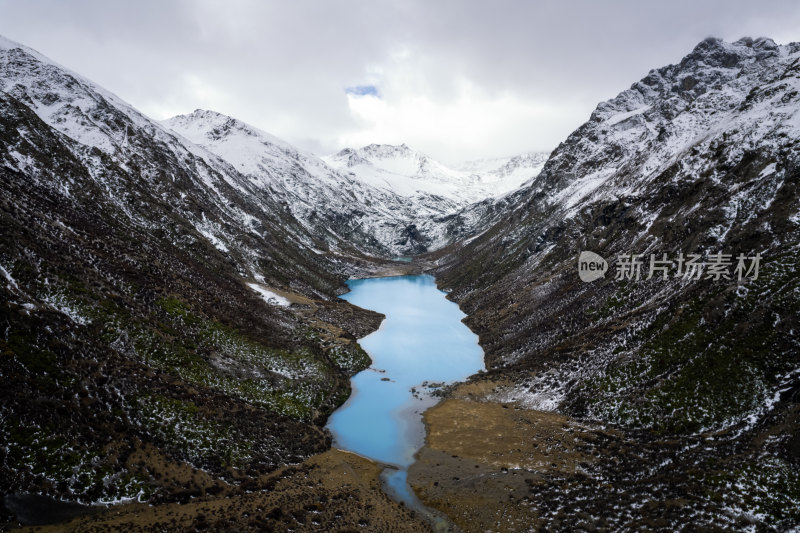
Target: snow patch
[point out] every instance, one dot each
(768, 170)
(269, 296)
(619, 117)
(11, 281)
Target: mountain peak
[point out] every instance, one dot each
(203, 115)
(761, 43)
(715, 53)
(712, 64)
(207, 113)
(384, 150)
(203, 126)
(372, 153)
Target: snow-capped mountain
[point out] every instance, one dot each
(336, 210)
(671, 119)
(507, 173)
(701, 157)
(103, 126)
(412, 174)
(374, 219)
(673, 115)
(385, 199)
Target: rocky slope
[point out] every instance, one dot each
(686, 389)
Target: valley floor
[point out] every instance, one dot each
(494, 466)
(333, 491)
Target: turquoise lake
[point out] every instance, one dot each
(422, 339)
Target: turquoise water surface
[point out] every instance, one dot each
(421, 340)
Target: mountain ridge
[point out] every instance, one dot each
(410, 173)
(701, 157)
(136, 270)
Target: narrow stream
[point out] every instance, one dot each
(421, 341)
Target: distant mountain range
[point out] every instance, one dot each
(414, 175)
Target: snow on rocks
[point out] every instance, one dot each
(269, 296)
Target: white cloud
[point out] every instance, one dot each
(470, 125)
(440, 111)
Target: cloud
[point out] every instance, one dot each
(455, 118)
(456, 79)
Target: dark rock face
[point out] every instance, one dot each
(697, 158)
(412, 240)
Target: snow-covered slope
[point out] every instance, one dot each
(374, 219)
(336, 211)
(505, 174)
(103, 125)
(721, 91)
(412, 174)
(721, 94)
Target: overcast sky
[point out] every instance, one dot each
(455, 79)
